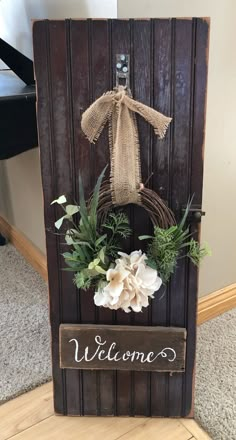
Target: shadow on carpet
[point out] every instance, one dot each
(24, 326)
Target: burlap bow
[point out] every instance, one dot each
(118, 108)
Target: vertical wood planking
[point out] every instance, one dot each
(102, 71)
(160, 168)
(199, 106)
(197, 137)
(64, 168)
(181, 92)
(191, 291)
(141, 88)
(82, 154)
(120, 34)
(46, 143)
(73, 385)
(80, 47)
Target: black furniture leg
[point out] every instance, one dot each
(3, 241)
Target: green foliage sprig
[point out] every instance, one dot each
(93, 248)
(166, 247)
(196, 253)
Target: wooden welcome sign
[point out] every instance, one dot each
(104, 347)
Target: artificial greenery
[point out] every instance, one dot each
(93, 247)
(196, 253)
(168, 245)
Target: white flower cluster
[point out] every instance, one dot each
(129, 285)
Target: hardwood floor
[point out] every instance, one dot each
(30, 417)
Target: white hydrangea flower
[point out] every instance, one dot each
(130, 284)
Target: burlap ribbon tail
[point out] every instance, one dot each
(118, 108)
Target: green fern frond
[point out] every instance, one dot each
(94, 201)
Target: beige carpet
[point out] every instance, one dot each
(24, 326)
(215, 401)
(25, 348)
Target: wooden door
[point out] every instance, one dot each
(74, 65)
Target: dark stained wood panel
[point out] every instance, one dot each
(46, 138)
(162, 42)
(197, 134)
(142, 79)
(124, 392)
(181, 61)
(75, 64)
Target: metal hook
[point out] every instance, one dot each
(122, 70)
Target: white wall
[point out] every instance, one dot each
(219, 189)
(21, 198)
(16, 16)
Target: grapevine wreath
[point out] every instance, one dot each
(120, 280)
